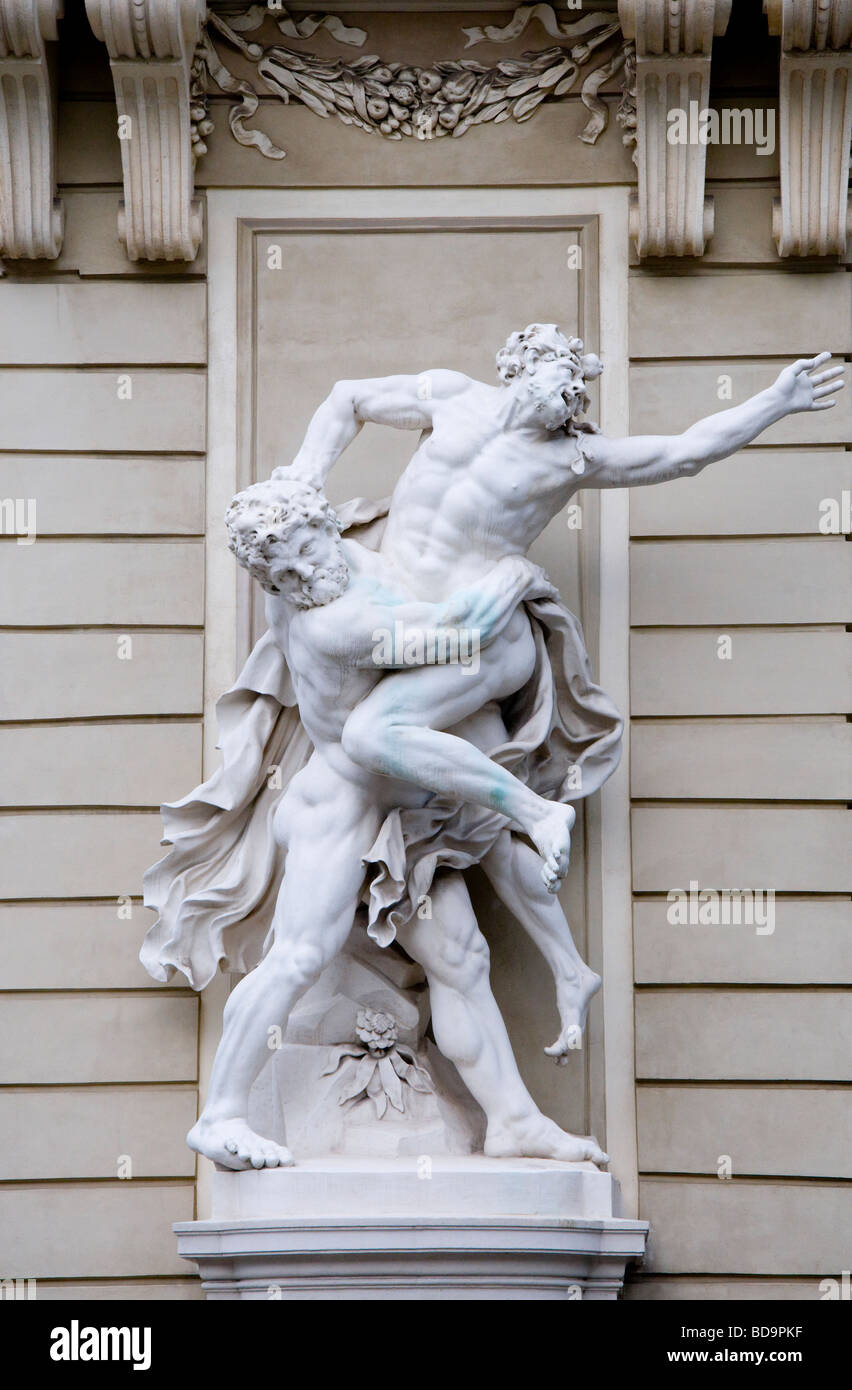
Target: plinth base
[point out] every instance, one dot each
(445, 1228)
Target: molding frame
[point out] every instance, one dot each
(230, 215)
(31, 216)
(674, 39)
(151, 45)
(813, 216)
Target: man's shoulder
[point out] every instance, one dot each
(326, 625)
(443, 382)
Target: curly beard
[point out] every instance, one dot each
(324, 586)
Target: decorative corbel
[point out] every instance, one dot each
(150, 45)
(813, 216)
(670, 216)
(31, 218)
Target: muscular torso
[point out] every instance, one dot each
(473, 492)
(321, 647)
(328, 687)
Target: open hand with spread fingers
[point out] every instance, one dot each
(804, 387)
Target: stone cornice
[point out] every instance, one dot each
(670, 215)
(31, 220)
(150, 45)
(813, 216)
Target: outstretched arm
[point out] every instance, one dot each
(658, 458)
(405, 402)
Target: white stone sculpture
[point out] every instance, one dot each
(410, 768)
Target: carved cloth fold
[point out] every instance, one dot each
(215, 890)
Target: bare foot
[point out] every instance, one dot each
(536, 1136)
(232, 1144)
(551, 835)
(573, 997)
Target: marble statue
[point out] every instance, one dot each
(425, 703)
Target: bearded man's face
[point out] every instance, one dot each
(309, 569)
(554, 391)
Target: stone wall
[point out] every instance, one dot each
(737, 766)
(101, 647)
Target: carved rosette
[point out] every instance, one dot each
(813, 216)
(150, 45)
(31, 218)
(670, 215)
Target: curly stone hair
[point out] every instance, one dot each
(264, 516)
(523, 349)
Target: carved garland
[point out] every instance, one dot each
(398, 99)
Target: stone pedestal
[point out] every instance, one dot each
(440, 1228)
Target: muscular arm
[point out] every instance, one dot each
(483, 610)
(654, 458)
(405, 402)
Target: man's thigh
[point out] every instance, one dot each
(326, 836)
(441, 696)
(450, 939)
(486, 729)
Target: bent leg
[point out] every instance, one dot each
(512, 869)
(397, 730)
(313, 917)
(470, 1031)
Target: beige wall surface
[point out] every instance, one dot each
(101, 656)
(741, 776)
(739, 769)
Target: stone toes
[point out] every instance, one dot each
(595, 1153)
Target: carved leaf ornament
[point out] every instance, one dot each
(397, 99)
(384, 1066)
